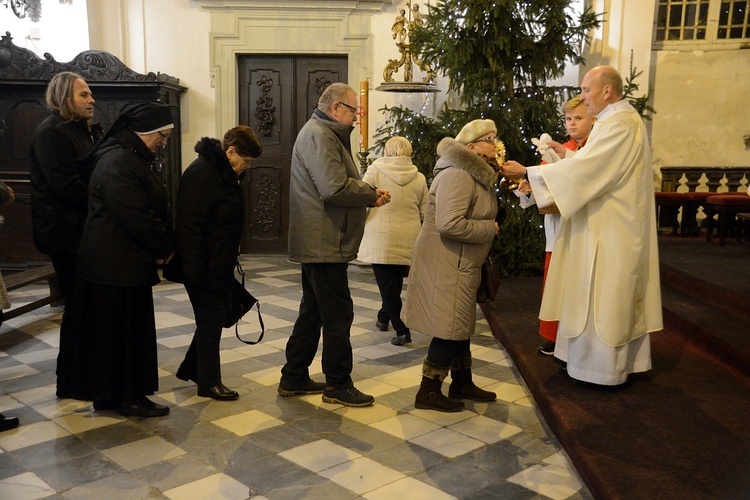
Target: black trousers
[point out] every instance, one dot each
(442, 352)
(326, 304)
(390, 279)
(202, 361)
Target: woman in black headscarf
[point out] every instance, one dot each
(126, 237)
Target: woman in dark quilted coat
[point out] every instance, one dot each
(209, 228)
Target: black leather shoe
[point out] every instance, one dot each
(382, 326)
(143, 407)
(219, 391)
(8, 423)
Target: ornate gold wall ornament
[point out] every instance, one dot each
(402, 26)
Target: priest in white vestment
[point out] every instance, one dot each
(603, 282)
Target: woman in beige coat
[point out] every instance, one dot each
(453, 243)
(390, 231)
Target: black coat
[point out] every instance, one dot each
(210, 218)
(59, 185)
(128, 224)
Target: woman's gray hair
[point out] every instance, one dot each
(398, 146)
(59, 94)
(336, 92)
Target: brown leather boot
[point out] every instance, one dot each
(430, 396)
(462, 386)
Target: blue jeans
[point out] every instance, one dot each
(326, 305)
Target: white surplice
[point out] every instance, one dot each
(603, 280)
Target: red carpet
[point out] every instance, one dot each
(681, 430)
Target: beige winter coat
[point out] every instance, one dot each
(390, 230)
(459, 226)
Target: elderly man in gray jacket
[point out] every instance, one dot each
(328, 203)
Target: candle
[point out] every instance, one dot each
(364, 86)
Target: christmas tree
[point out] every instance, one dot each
(498, 57)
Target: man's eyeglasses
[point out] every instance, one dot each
(491, 139)
(347, 106)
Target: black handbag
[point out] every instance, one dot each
(242, 302)
(489, 283)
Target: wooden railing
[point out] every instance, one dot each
(716, 179)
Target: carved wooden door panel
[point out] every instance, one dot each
(277, 95)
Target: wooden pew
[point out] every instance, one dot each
(28, 277)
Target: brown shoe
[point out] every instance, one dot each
(430, 397)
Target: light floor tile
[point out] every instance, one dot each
(507, 392)
(232, 355)
(559, 459)
(362, 475)
(487, 354)
(374, 351)
(143, 452)
(405, 426)
(17, 371)
(275, 282)
(485, 429)
(176, 321)
(443, 418)
(319, 455)
(448, 443)
(216, 486)
(82, 422)
(408, 488)
(374, 413)
(267, 377)
(26, 486)
(50, 337)
(248, 422)
(270, 322)
(59, 407)
(527, 402)
(280, 272)
(481, 381)
(280, 344)
(31, 434)
(548, 480)
(175, 341)
(375, 387)
(126, 486)
(10, 403)
(177, 297)
(251, 351)
(403, 379)
(358, 330)
(37, 356)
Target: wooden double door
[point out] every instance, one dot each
(277, 95)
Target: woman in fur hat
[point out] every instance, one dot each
(210, 218)
(454, 241)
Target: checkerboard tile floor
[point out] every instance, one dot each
(265, 446)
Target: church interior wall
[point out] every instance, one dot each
(696, 94)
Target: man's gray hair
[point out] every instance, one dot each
(336, 92)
